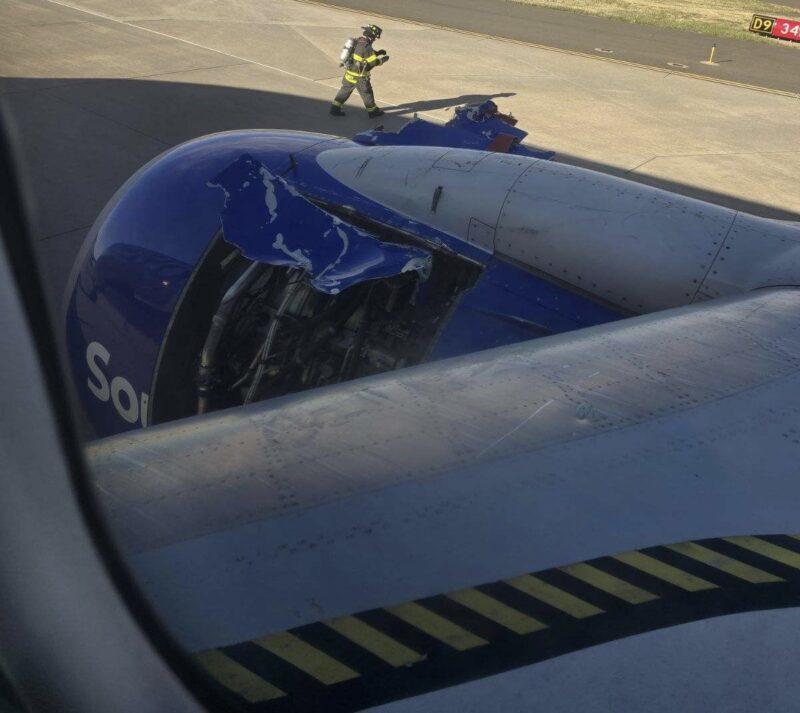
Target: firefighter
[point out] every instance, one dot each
(358, 66)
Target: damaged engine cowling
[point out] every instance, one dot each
(275, 334)
(272, 333)
(302, 298)
(235, 267)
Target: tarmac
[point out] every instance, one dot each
(772, 64)
(93, 89)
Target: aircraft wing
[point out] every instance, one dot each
(504, 507)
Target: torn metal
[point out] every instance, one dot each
(271, 222)
(474, 126)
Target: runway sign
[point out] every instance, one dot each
(776, 27)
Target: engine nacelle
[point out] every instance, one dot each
(151, 240)
(252, 264)
(210, 281)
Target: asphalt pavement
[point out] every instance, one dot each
(764, 65)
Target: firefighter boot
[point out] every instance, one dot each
(376, 112)
(336, 110)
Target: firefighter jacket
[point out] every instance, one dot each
(363, 60)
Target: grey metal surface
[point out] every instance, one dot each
(756, 252)
(637, 247)
(634, 246)
(736, 664)
(474, 183)
(674, 426)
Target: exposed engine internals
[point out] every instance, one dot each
(272, 333)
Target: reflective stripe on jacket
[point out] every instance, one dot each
(364, 59)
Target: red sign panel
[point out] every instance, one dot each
(776, 27)
(787, 29)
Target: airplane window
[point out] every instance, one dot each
(440, 384)
(9, 700)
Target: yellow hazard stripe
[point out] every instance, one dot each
(555, 597)
(314, 662)
(401, 636)
(237, 678)
(437, 626)
(767, 549)
(664, 571)
(376, 642)
(609, 583)
(496, 611)
(724, 563)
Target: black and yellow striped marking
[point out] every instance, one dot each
(372, 657)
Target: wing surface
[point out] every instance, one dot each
(676, 426)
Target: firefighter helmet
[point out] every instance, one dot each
(372, 32)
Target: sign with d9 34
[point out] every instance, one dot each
(776, 27)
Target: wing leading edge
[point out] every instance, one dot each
(665, 428)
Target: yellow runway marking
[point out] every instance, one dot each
(307, 658)
(767, 549)
(724, 563)
(237, 678)
(437, 626)
(667, 572)
(555, 597)
(376, 642)
(498, 612)
(609, 583)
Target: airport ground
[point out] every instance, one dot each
(93, 89)
(769, 63)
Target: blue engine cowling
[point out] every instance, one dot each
(148, 278)
(137, 260)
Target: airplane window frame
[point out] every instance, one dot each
(18, 252)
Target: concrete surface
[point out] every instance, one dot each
(92, 89)
(772, 63)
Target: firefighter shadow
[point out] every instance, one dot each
(446, 103)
